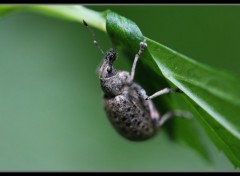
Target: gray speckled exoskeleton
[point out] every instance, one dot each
(126, 103)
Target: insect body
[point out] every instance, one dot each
(126, 103)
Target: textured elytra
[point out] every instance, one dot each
(129, 115)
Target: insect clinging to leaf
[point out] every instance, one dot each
(129, 109)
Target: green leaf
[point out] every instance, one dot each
(130, 39)
(189, 131)
(214, 94)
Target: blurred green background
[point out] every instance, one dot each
(51, 116)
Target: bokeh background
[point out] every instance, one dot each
(51, 116)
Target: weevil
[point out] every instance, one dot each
(128, 108)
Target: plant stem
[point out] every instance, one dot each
(68, 12)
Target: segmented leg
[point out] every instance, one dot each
(143, 45)
(164, 91)
(169, 115)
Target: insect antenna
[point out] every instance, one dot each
(113, 45)
(93, 36)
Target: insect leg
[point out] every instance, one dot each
(164, 91)
(169, 115)
(143, 45)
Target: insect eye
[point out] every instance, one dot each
(109, 69)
